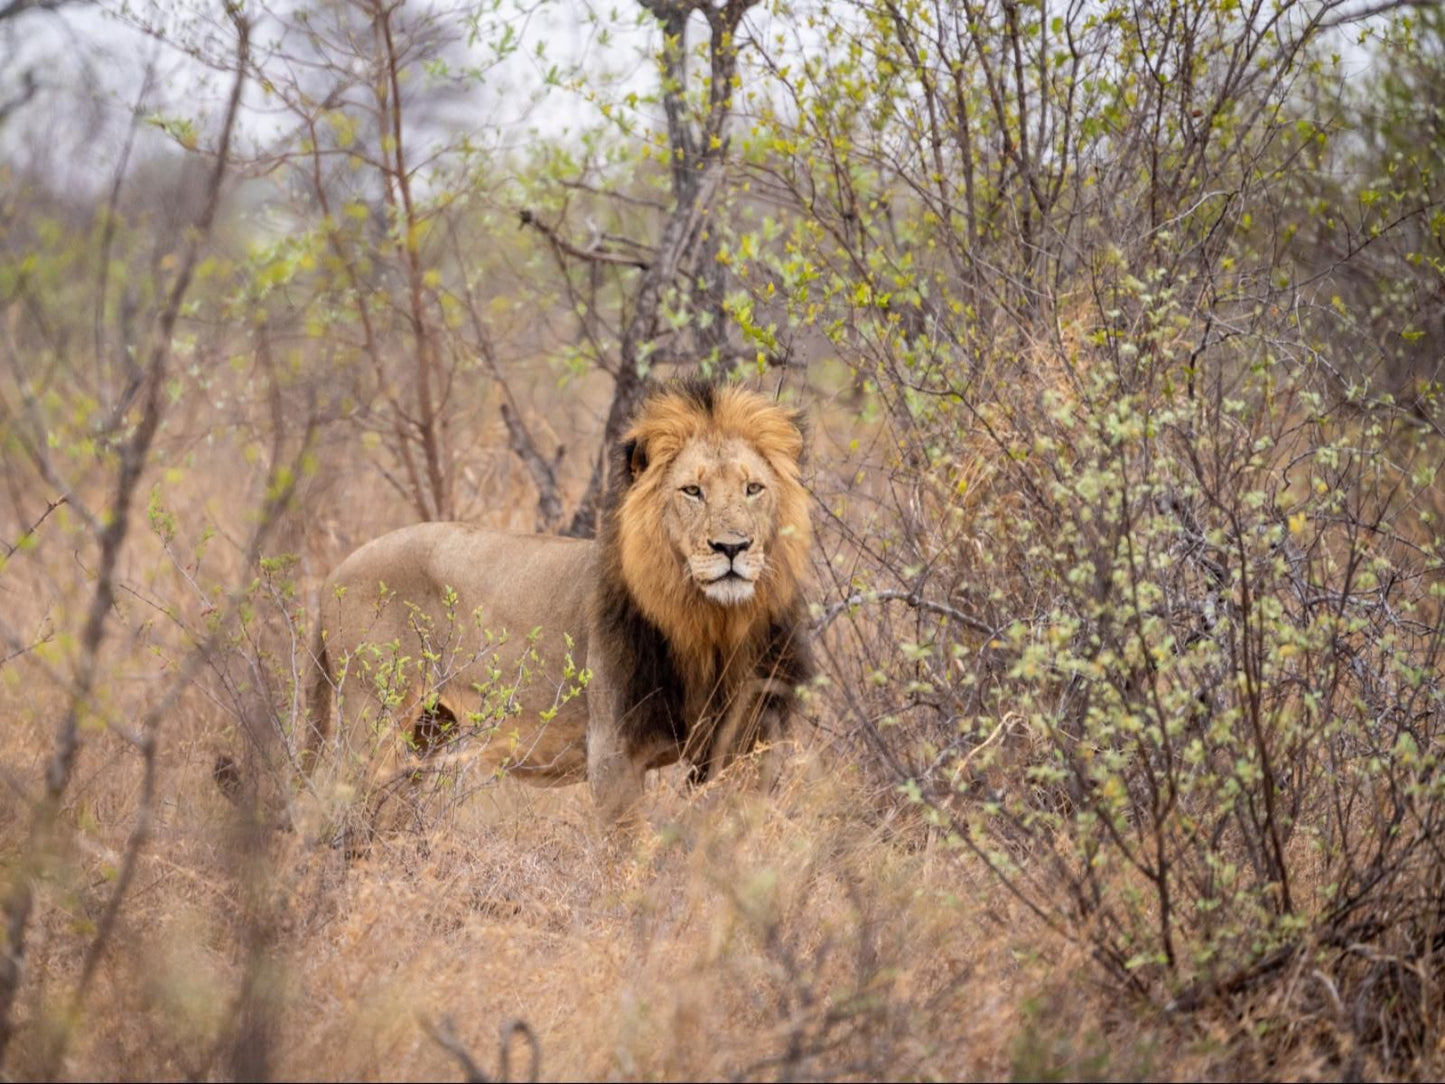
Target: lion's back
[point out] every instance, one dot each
(454, 584)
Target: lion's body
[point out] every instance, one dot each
(677, 634)
(531, 582)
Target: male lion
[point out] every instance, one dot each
(678, 634)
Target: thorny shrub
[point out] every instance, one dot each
(1141, 602)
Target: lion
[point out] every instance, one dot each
(679, 634)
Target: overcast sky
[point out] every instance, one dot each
(88, 63)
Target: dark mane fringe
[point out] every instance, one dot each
(786, 658)
(638, 657)
(639, 662)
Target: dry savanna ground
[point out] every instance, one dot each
(1120, 336)
(829, 928)
(813, 930)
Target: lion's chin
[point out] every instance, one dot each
(729, 590)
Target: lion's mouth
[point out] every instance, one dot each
(729, 589)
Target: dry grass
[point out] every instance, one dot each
(819, 931)
(734, 935)
(797, 934)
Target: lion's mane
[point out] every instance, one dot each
(682, 663)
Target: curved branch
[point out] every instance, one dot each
(917, 601)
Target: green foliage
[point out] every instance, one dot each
(1123, 325)
(1366, 217)
(1166, 549)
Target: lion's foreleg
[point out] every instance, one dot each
(757, 716)
(772, 729)
(616, 778)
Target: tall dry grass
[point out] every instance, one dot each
(819, 931)
(917, 897)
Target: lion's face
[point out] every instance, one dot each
(720, 516)
(711, 528)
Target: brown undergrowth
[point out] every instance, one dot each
(736, 935)
(829, 929)
(805, 933)
(816, 931)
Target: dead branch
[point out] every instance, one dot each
(19, 652)
(912, 598)
(519, 436)
(1369, 11)
(504, 1063)
(19, 898)
(281, 485)
(623, 197)
(592, 254)
(29, 86)
(432, 422)
(13, 9)
(102, 273)
(544, 472)
(698, 156)
(29, 532)
(444, 1034)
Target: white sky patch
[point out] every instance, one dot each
(520, 72)
(517, 72)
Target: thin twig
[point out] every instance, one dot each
(917, 601)
(10, 550)
(28, 648)
(444, 1034)
(542, 470)
(593, 254)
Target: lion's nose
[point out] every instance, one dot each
(730, 550)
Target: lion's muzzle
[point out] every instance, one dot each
(728, 573)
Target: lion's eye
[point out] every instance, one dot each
(693, 491)
(754, 488)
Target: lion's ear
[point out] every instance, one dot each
(800, 423)
(635, 453)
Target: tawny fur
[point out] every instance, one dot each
(675, 674)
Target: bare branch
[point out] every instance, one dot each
(1369, 11)
(19, 898)
(27, 648)
(29, 532)
(918, 602)
(13, 9)
(697, 171)
(592, 254)
(29, 87)
(624, 197)
(543, 470)
(544, 473)
(280, 488)
(444, 1035)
